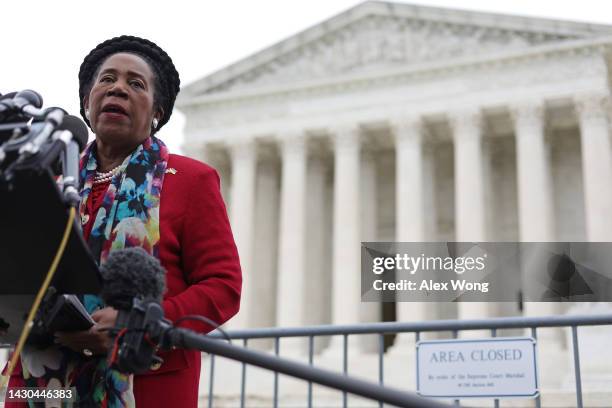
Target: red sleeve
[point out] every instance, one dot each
(209, 257)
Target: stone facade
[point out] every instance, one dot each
(408, 123)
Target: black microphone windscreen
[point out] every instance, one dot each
(78, 128)
(131, 273)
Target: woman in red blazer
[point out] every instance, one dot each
(134, 193)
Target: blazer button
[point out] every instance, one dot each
(156, 366)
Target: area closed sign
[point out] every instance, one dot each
(479, 368)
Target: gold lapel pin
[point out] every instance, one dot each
(171, 170)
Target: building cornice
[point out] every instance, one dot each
(399, 75)
(396, 10)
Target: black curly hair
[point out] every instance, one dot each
(167, 81)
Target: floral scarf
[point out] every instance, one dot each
(127, 217)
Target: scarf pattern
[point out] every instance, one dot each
(128, 217)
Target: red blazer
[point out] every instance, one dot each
(203, 275)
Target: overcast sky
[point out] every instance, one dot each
(44, 42)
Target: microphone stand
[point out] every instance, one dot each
(144, 328)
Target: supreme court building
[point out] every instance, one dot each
(394, 122)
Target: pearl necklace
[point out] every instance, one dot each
(104, 177)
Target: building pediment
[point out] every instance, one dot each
(375, 36)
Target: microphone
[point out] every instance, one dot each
(6, 99)
(74, 135)
(26, 101)
(6, 114)
(9, 95)
(27, 98)
(133, 282)
(131, 273)
(131, 277)
(78, 128)
(56, 134)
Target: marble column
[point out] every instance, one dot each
(470, 206)
(593, 110)
(195, 150)
(205, 154)
(369, 196)
(218, 157)
(410, 213)
(319, 243)
(369, 311)
(265, 246)
(346, 263)
(536, 212)
(596, 165)
(291, 256)
(225, 173)
(243, 160)
(469, 191)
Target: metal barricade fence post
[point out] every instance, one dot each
(276, 353)
(577, 367)
(243, 379)
(310, 362)
(211, 381)
(538, 400)
(381, 355)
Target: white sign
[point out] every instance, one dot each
(484, 368)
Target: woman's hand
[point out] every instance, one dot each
(96, 339)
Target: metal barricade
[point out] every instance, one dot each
(386, 328)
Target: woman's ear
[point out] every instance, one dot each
(86, 106)
(86, 109)
(159, 114)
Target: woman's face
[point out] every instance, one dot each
(120, 102)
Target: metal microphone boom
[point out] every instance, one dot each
(146, 329)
